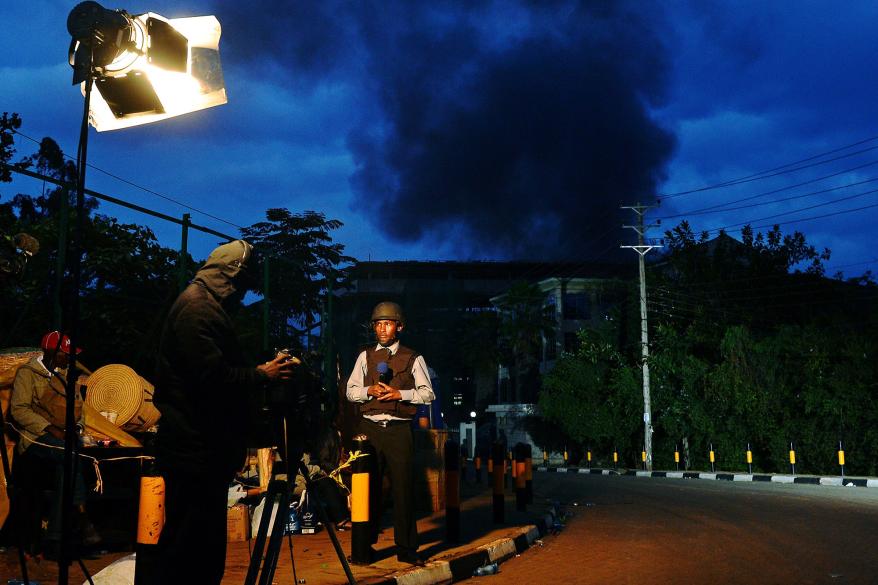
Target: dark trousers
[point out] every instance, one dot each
(394, 454)
(192, 546)
(53, 458)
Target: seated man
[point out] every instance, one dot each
(38, 408)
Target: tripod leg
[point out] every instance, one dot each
(261, 534)
(274, 541)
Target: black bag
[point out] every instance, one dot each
(334, 499)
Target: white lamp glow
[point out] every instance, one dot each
(163, 68)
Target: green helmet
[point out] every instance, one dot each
(387, 310)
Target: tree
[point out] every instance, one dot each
(303, 259)
(525, 322)
(593, 395)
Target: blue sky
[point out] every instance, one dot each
(491, 130)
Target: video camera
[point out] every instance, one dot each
(301, 403)
(15, 252)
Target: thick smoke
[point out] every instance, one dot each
(510, 130)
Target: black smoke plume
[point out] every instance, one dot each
(504, 129)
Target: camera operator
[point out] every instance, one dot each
(202, 387)
(389, 380)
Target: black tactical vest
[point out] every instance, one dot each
(401, 378)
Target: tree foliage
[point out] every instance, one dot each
(593, 396)
(750, 345)
(303, 260)
(128, 279)
(525, 321)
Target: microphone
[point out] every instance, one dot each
(385, 373)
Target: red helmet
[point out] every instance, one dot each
(51, 339)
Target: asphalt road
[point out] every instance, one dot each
(692, 531)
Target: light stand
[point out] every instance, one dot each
(85, 59)
(122, 51)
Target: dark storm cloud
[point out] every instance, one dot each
(515, 128)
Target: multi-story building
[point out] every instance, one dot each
(445, 304)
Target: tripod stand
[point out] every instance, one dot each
(263, 561)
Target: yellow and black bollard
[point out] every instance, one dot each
(677, 457)
(499, 459)
(749, 459)
(361, 532)
(520, 478)
(643, 458)
(792, 458)
(545, 458)
(841, 459)
(712, 458)
(529, 473)
(150, 520)
(615, 458)
(588, 457)
(452, 492)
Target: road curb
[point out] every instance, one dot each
(726, 476)
(463, 565)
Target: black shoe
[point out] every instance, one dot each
(411, 557)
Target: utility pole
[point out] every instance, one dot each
(642, 248)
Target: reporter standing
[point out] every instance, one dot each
(389, 381)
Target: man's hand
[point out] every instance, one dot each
(389, 394)
(280, 368)
(55, 432)
(380, 391)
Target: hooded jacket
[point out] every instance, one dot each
(39, 400)
(202, 380)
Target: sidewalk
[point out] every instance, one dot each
(481, 542)
(725, 476)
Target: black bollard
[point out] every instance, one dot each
(529, 473)
(520, 478)
(452, 492)
(498, 457)
(361, 533)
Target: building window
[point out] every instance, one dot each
(576, 306)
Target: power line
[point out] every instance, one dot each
(778, 170)
(722, 207)
(803, 219)
(824, 204)
(146, 189)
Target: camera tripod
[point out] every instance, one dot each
(263, 561)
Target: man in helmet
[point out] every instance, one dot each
(202, 387)
(389, 381)
(39, 408)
